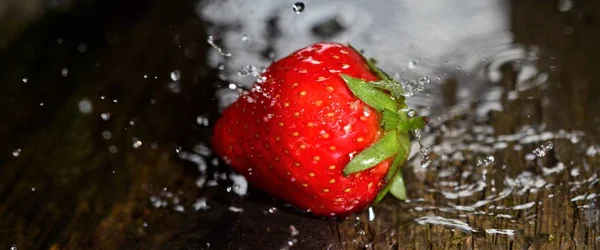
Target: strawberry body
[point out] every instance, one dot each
(292, 134)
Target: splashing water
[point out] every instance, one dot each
(211, 42)
(543, 149)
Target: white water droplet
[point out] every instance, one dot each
(24, 80)
(565, 5)
(16, 152)
(85, 106)
(294, 231)
(82, 47)
(64, 72)
(201, 120)
(136, 142)
(106, 135)
(412, 87)
(105, 116)
(211, 42)
(543, 149)
(488, 160)
(175, 75)
(411, 113)
(413, 64)
(298, 7)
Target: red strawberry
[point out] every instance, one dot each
(320, 132)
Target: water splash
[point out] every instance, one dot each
(543, 149)
(211, 42)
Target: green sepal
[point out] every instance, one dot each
(399, 160)
(383, 149)
(375, 98)
(390, 120)
(397, 187)
(392, 86)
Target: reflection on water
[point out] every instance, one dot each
(465, 41)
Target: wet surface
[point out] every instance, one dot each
(109, 110)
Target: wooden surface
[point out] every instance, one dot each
(67, 190)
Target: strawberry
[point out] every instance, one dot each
(324, 130)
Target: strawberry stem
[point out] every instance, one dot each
(383, 149)
(386, 96)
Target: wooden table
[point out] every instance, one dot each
(79, 182)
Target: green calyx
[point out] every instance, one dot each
(385, 96)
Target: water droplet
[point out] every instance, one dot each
(486, 161)
(64, 72)
(273, 210)
(565, 5)
(106, 135)
(298, 7)
(201, 120)
(33, 189)
(245, 38)
(85, 106)
(211, 42)
(411, 113)
(294, 231)
(422, 149)
(543, 149)
(250, 70)
(176, 75)
(177, 149)
(112, 148)
(13, 247)
(412, 87)
(16, 152)
(82, 47)
(136, 142)
(105, 116)
(413, 64)
(24, 80)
